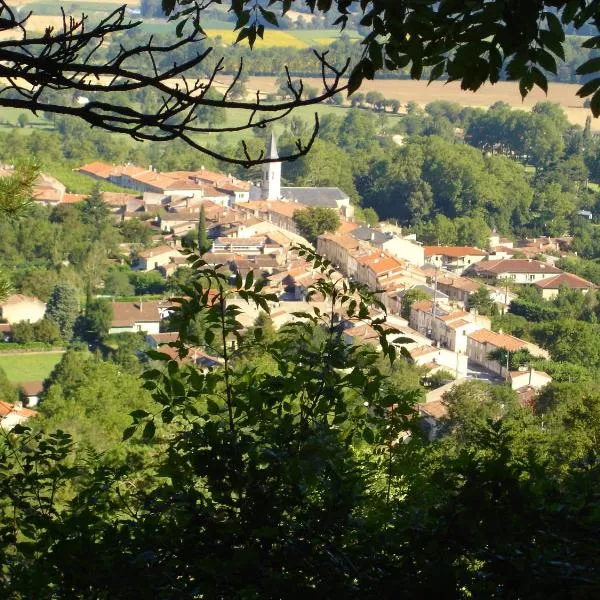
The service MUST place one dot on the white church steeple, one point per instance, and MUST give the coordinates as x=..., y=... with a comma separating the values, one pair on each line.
x=271, y=177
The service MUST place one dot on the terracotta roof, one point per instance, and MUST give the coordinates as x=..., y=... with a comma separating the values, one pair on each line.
x=437, y=409
x=32, y=388
x=72, y=198
x=499, y=340
x=460, y=283
x=118, y=198
x=347, y=227
x=422, y=305
x=422, y=351
x=342, y=240
x=287, y=209
x=565, y=280
x=458, y=324
x=157, y=251
x=97, y=168
x=515, y=265
x=157, y=180
x=381, y=262
x=19, y=299
x=453, y=251
x=126, y=314
x=6, y=408
x=457, y=314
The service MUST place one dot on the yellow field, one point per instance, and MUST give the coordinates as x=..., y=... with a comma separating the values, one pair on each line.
x=277, y=39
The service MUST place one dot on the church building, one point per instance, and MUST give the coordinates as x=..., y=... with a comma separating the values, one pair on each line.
x=271, y=188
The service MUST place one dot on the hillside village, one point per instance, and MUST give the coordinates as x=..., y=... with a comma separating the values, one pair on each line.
x=251, y=227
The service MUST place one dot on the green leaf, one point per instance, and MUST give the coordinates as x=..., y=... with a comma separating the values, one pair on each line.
x=590, y=66
x=129, y=432
x=368, y=435
x=149, y=430
x=138, y=414
x=589, y=88
x=213, y=407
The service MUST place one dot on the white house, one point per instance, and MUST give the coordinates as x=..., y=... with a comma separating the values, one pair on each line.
x=132, y=317
x=18, y=308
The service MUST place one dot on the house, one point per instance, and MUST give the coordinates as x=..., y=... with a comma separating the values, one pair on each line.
x=550, y=287
x=528, y=378
x=375, y=268
x=246, y=246
x=457, y=289
x=157, y=257
x=22, y=308
x=271, y=188
x=483, y=341
x=337, y=248
x=31, y=390
x=15, y=414
x=402, y=248
x=518, y=270
x=132, y=317
x=453, y=258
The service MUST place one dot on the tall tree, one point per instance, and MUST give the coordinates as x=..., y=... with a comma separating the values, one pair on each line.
x=313, y=221
x=203, y=243
x=62, y=308
x=94, y=211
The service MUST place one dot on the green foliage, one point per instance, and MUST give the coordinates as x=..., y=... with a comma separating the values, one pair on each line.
x=409, y=298
x=314, y=221
x=289, y=471
x=533, y=310
x=45, y=331
x=98, y=317
x=62, y=309
x=482, y=302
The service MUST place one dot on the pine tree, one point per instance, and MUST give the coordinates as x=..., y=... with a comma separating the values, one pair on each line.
x=94, y=211
x=62, y=309
x=203, y=243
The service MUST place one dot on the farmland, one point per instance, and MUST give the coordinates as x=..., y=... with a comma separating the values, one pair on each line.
x=32, y=366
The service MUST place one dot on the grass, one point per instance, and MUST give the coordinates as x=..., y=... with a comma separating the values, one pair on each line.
x=28, y=367
x=77, y=183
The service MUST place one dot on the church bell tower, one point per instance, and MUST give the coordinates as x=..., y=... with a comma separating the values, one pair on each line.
x=271, y=176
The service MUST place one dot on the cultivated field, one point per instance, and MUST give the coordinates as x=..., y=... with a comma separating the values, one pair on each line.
x=31, y=366
x=406, y=90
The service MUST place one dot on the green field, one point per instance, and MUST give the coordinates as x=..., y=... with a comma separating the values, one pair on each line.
x=29, y=367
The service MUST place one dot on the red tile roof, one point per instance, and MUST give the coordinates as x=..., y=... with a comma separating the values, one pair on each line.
x=453, y=251
x=6, y=408
x=515, y=265
x=499, y=340
x=565, y=280
x=127, y=314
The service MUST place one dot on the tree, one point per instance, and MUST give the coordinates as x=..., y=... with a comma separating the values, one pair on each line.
x=314, y=221
x=94, y=211
x=481, y=302
x=98, y=318
x=117, y=283
x=62, y=309
x=203, y=243
x=84, y=60
x=409, y=298
x=23, y=120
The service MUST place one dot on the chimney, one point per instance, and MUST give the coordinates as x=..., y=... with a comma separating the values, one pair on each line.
x=500, y=331
x=372, y=235
x=150, y=168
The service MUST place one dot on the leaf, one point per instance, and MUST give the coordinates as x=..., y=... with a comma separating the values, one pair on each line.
x=436, y=72
x=268, y=16
x=590, y=66
x=589, y=88
x=595, y=104
x=149, y=430
x=249, y=280
x=129, y=432
x=213, y=407
x=368, y=435
x=138, y=414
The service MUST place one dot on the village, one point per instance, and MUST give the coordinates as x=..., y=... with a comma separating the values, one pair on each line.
x=252, y=228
